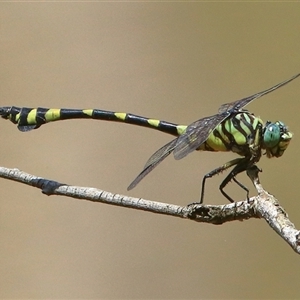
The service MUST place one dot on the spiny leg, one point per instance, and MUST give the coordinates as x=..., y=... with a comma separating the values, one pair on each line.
x=216, y=171
x=242, y=166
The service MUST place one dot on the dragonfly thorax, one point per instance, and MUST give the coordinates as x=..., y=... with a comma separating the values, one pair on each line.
x=276, y=138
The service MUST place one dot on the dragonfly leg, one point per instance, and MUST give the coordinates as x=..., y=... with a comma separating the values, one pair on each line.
x=242, y=186
x=239, y=168
x=216, y=171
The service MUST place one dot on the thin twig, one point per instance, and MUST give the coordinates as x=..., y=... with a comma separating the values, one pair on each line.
x=262, y=206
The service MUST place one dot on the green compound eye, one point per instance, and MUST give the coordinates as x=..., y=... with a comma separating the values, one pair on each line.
x=272, y=135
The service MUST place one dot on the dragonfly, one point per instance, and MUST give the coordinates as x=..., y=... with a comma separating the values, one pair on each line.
x=232, y=129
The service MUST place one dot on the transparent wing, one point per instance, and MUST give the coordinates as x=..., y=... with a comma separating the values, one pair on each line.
x=153, y=161
x=196, y=134
x=238, y=104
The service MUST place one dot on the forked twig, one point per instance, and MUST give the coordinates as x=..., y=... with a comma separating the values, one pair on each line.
x=262, y=206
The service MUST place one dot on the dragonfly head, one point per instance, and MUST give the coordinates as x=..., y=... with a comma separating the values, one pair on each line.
x=276, y=138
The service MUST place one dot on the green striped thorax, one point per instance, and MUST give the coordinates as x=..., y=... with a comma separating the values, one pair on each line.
x=276, y=138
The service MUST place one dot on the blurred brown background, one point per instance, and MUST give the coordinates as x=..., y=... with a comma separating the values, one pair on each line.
x=173, y=61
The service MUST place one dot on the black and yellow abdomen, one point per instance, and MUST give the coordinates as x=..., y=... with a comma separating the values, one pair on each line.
x=32, y=118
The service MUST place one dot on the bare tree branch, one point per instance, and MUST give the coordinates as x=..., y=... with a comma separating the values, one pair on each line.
x=262, y=206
